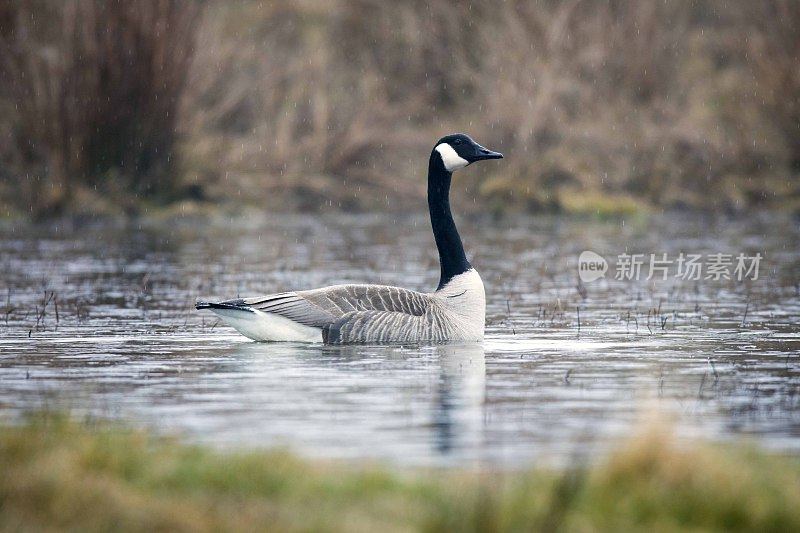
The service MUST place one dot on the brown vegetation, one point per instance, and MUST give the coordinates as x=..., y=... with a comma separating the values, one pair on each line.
x=599, y=104
x=93, y=89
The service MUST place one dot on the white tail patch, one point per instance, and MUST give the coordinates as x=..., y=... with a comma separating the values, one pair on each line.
x=260, y=326
x=452, y=161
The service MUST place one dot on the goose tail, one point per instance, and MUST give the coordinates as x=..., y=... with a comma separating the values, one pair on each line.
x=231, y=305
x=258, y=325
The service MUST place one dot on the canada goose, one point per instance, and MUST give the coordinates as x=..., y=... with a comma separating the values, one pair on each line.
x=345, y=314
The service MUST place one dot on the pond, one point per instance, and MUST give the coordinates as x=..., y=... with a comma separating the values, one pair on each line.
x=98, y=319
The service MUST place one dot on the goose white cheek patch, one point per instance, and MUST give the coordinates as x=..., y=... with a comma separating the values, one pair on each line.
x=452, y=161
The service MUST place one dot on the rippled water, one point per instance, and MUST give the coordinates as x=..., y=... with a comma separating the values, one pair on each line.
x=723, y=356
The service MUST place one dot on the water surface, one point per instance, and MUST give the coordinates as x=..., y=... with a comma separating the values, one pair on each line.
x=721, y=355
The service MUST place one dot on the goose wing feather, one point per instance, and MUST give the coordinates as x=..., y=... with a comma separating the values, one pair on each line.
x=341, y=299
x=375, y=327
x=324, y=307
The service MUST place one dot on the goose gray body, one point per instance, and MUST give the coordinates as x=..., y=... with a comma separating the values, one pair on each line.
x=346, y=314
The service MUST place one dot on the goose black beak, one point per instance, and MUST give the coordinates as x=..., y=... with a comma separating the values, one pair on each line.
x=484, y=153
x=488, y=154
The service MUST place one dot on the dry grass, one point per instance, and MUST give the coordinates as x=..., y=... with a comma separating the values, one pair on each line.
x=95, y=88
x=589, y=99
x=774, y=52
x=308, y=104
x=62, y=475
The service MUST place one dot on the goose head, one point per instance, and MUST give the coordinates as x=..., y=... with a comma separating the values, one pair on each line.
x=459, y=150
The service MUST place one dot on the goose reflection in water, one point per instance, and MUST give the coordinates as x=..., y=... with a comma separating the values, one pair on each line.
x=460, y=396
x=353, y=401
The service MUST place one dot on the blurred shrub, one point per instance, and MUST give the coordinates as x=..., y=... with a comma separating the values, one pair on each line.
x=95, y=88
x=305, y=104
x=774, y=51
x=340, y=101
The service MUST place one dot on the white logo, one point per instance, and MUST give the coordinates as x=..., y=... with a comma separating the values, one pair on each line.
x=591, y=266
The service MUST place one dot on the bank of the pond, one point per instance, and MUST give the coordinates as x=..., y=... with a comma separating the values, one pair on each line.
x=59, y=474
x=108, y=208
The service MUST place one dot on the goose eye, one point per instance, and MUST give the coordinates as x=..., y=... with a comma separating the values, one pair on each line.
x=457, y=141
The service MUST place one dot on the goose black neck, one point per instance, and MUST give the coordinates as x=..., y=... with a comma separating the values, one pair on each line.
x=452, y=258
